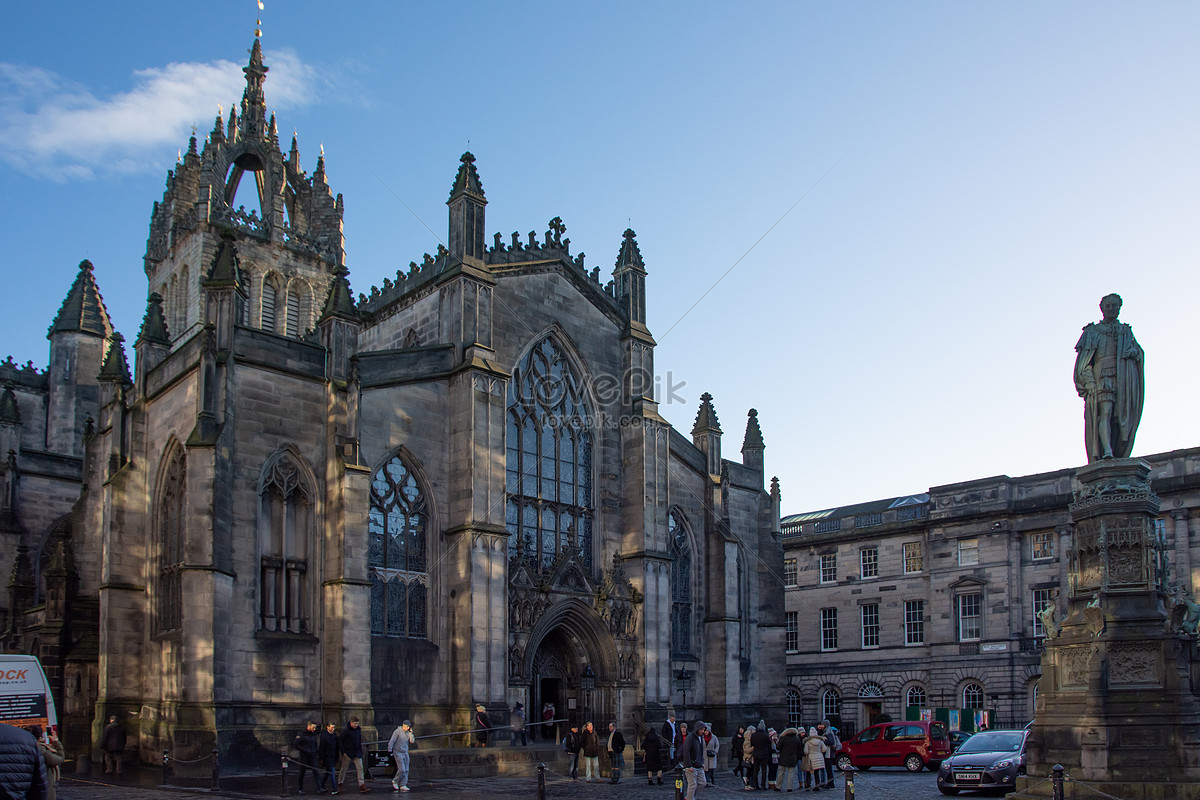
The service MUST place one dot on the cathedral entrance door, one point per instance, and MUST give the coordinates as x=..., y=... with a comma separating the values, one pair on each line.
x=550, y=671
x=549, y=690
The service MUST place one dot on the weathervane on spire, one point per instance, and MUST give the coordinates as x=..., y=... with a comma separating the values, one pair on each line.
x=258, y=22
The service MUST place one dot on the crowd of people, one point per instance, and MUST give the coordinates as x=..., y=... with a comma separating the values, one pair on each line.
x=763, y=759
x=767, y=760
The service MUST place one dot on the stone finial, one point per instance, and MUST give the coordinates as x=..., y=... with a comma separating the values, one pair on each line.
x=706, y=417
x=630, y=256
x=776, y=495
x=753, y=439
x=466, y=181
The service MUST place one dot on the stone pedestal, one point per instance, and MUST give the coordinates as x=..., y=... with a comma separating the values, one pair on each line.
x=1117, y=703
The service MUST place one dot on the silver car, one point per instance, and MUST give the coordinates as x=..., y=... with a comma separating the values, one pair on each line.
x=988, y=760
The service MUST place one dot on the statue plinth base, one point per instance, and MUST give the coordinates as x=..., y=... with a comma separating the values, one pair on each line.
x=1116, y=701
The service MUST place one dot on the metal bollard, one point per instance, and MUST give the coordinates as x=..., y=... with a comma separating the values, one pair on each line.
x=679, y=782
x=848, y=775
x=283, y=759
x=216, y=772
x=166, y=768
x=541, y=795
x=1056, y=779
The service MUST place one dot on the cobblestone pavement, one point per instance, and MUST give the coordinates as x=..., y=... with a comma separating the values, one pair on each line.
x=878, y=784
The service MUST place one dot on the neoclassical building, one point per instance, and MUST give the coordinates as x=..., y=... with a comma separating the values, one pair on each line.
x=932, y=600
x=454, y=489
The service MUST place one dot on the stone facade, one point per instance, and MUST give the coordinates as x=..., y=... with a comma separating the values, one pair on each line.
x=946, y=608
x=455, y=490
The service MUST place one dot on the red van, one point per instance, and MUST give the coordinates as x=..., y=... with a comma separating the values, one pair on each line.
x=911, y=745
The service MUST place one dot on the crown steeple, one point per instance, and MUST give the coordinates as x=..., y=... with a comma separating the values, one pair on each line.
x=254, y=101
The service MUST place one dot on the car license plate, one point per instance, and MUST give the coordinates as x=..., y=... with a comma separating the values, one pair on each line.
x=968, y=776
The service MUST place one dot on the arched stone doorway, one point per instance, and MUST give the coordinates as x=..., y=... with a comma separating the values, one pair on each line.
x=569, y=638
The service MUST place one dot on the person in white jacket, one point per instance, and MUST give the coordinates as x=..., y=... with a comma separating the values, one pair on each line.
x=402, y=737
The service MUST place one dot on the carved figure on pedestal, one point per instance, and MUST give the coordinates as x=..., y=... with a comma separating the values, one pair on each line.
x=1185, y=613
x=1049, y=625
x=1109, y=377
x=1094, y=618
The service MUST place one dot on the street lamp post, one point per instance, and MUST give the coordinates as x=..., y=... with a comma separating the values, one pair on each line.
x=684, y=679
x=587, y=681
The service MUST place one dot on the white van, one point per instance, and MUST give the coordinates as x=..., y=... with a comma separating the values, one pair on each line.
x=25, y=697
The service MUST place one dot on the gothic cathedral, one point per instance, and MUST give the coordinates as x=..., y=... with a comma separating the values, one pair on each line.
x=454, y=489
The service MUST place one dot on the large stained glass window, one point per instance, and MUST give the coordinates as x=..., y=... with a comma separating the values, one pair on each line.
x=396, y=553
x=548, y=478
x=681, y=586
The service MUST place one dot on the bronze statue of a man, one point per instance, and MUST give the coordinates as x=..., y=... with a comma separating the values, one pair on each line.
x=1108, y=376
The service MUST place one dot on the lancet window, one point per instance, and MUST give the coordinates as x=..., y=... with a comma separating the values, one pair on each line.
x=397, y=552
x=285, y=539
x=681, y=585
x=549, y=460
x=172, y=506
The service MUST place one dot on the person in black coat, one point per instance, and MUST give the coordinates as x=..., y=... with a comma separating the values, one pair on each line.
x=306, y=745
x=329, y=751
x=668, y=733
x=760, y=745
x=657, y=756
x=22, y=771
x=352, y=753
x=616, y=752
x=573, y=743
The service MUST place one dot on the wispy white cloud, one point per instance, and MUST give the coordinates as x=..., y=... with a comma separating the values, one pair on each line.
x=58, y=129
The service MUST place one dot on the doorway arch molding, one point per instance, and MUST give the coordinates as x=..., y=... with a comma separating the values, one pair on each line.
x=580, y=620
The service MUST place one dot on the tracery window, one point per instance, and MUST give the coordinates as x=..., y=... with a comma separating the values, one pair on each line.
x=915, y=696
x=972, y=696
x=681, y=586
x=396, y=552
x=548, y=475
x=285, y=533
x=172, y=506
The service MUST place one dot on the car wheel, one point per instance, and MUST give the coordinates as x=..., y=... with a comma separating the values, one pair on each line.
x=913, y=763
x=843, y=762
x=947, y=790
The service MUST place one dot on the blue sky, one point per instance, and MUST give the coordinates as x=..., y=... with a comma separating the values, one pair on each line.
x=880, y=224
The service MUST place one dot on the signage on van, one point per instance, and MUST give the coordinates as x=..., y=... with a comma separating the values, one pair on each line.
x=25, y=697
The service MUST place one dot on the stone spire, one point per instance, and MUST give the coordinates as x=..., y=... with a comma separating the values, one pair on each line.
x=254, y=101
x=340, y=302
x=752, y=444
x=154, y=324
x=83, y=309
x=629, y=279
x=467, y=213
x=706, y=434
x=115, y=368
x=706, y=417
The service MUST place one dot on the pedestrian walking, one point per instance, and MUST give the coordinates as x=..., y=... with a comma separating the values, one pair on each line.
x=352, y=753
x=305, y=745
x=691, y=756
x=656, y=754
x=516, y=723
x=112, y=744
x=398, y=745
x=329, y=752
